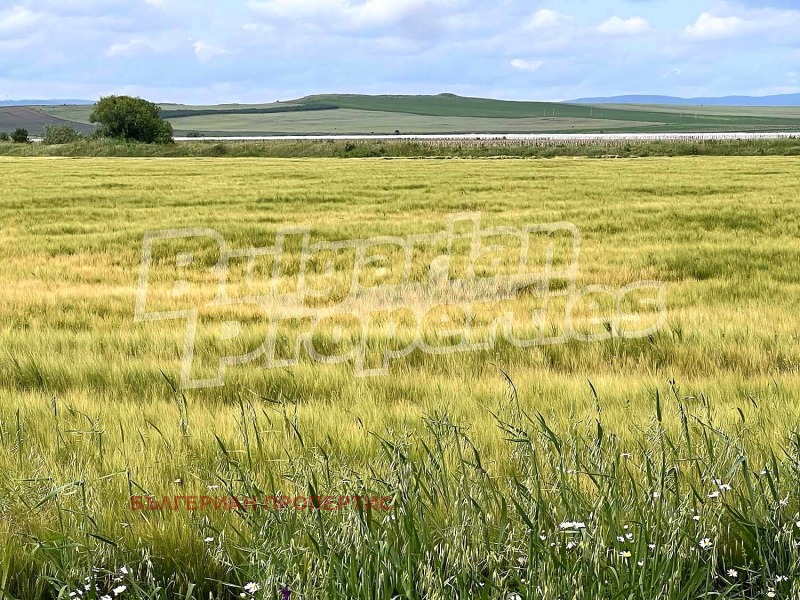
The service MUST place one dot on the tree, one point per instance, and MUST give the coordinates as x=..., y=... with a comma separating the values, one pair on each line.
x=131, y=118
x=20, y=136
x=60, y=134
x=4, y=137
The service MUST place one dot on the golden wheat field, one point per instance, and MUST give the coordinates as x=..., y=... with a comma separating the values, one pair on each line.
x=627, y=466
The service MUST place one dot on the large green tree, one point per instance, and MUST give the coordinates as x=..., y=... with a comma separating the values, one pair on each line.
x=131, y=118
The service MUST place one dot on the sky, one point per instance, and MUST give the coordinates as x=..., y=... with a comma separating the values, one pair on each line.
x=215, y=51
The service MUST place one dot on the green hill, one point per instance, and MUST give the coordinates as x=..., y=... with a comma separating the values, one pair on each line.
x=452, y=105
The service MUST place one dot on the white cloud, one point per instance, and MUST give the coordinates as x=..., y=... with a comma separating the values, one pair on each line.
x=548, y=18
x=205, y=51
x=260, y=28
x=372, y=13
x=771, y=23
x=16, y=21
x=130, y=48
x=710, y=27
x=619, y=26
x=527, y=65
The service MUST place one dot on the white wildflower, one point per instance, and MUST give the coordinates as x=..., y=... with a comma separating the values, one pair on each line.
x=733, y=573
x=252, y=587
x=706, y=543
x=119, y=589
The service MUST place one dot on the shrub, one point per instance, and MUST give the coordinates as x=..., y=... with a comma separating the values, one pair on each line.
x=20, y=136
x=4, y=137
x=217, y=150
x=60, y=134
x=131, y=118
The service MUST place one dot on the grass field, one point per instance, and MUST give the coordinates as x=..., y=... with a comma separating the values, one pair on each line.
x=366, y=121
x=662, y=467
x=789, y=112
x=446, y=113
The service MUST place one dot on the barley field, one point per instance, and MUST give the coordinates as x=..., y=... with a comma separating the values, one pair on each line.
x=663, y=466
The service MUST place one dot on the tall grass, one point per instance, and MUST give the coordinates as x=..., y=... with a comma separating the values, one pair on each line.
x=680, y=508
x=409, y=149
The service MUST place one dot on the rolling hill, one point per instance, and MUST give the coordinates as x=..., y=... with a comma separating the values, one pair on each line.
x=13, y=117
x=443, y=113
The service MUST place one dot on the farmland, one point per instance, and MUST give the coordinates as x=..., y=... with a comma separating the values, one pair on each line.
x=444, y=113
x=12, y=117
x=643, y=468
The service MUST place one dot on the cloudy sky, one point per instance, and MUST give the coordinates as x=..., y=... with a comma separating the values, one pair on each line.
x=208, y=51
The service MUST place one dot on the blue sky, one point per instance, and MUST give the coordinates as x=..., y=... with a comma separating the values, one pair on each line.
x=206, y=51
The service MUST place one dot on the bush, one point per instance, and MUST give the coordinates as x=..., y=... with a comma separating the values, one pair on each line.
x=129, y=118
x=4, y=137
x=60, y=134
x=20, y=136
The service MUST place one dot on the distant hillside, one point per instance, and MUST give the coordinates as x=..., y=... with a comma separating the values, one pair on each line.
x=442, y=114
x=13, y=117
x=43, y=102
x=779, y=100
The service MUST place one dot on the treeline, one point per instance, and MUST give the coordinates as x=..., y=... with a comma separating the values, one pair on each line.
x=105, y=147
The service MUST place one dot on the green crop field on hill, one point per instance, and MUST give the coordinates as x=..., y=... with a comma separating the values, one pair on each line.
x=665, y=465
